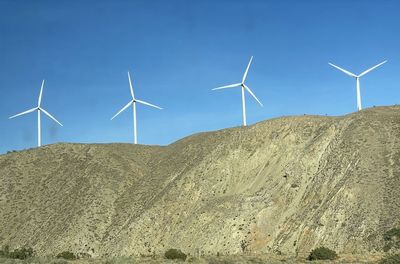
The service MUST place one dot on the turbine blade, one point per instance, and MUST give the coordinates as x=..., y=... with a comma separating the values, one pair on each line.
x=370, y=69
x=52, y=117
x=23, y=113
x=248, y=89
x=130, y=85
x=343, y=70
x=126, y=106
x=247, y=70
x=40, y=95
x=146, y=103
x=227, y=86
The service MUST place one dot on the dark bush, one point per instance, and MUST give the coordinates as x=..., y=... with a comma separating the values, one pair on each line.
x=21, y=253
x=4, y=251
x=244, y=244
x=391, y=259
x=322, y=253
x=387, y=247
x=393, y=233
x=66, y=255
x=175, y=254
x=392, y=239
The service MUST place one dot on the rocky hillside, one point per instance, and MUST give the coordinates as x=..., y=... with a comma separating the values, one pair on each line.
x=283, y=185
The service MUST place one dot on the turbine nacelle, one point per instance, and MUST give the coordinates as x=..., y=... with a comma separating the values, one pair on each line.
x=357, y=77
x=39, y=109
x=244, y=88
x=354, y=75
x=133, y=103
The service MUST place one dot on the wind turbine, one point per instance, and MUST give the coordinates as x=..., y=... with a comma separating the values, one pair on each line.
x=244, y=87
x=357, y=79
x=39, y=109
x=133, y=103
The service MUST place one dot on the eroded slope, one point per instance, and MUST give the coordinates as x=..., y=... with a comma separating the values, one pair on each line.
x=287, y=185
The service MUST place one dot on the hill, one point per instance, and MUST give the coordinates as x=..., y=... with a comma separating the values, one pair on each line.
x=284, y=185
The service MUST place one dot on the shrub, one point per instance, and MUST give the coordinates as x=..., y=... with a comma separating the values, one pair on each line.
x=4, y=251
x=66, y=255
x=387, y=247
x=243, y=244
x=21, y=253
x=392, y=233
x=391, y=259
x=175, y=254
x=322, y=253
x=392, y=239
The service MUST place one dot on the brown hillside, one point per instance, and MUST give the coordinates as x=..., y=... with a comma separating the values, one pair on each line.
x=283, y=185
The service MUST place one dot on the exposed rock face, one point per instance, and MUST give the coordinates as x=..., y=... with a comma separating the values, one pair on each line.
x=288, y=184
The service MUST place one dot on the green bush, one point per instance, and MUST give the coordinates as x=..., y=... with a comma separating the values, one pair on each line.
x=21, y=253
x=4, y=251
x=392, y=239
x=393, y=233
x=322, y=253
x=66, y=255
x=391, y=259
x=175, y=254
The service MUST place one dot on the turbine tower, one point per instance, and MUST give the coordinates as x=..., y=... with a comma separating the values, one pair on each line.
x=133, y=103
x=357, y=79
x=39, y=109
x=243, y=87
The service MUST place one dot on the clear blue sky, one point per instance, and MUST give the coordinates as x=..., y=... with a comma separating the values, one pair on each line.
x=177, y=52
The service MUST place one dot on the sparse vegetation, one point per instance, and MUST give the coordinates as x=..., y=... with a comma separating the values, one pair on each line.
x=66, y=255
x=391, y=259
x=175, y=254
x=322, y=253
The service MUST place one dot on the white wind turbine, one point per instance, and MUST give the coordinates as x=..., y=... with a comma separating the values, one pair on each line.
x=133, y=103
x=244, y=87
x=39, y=109
x=358, y=79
